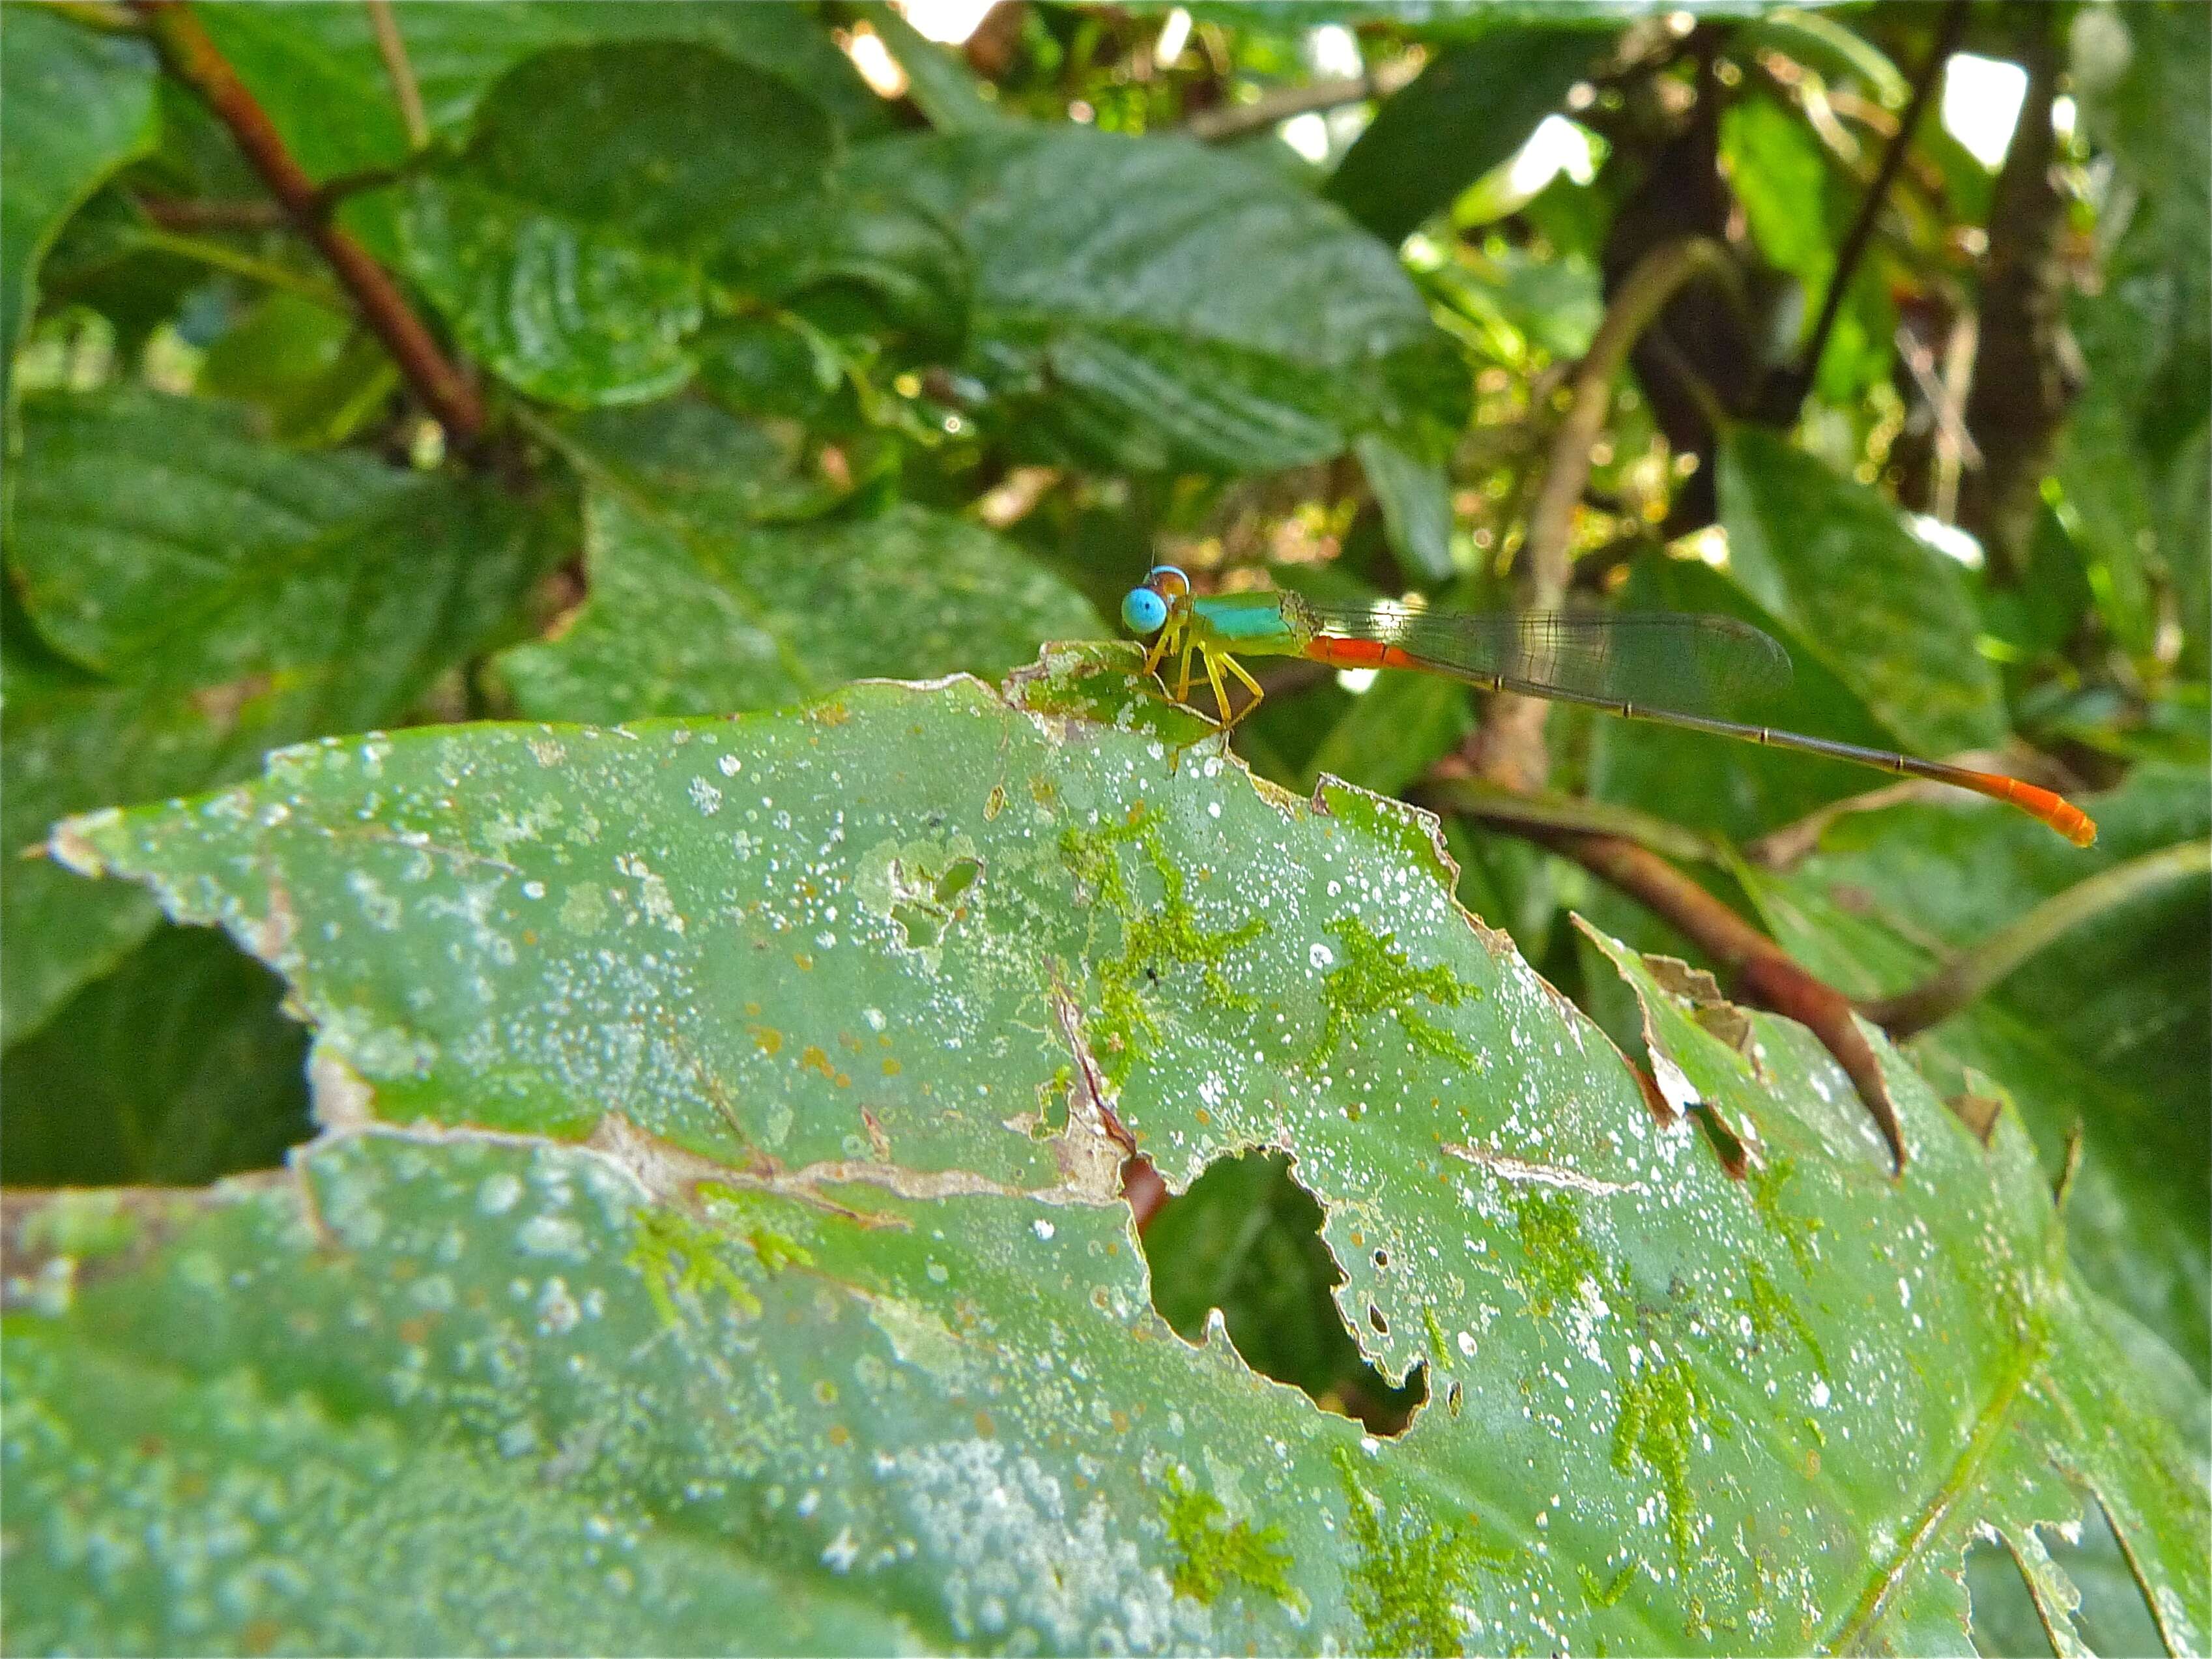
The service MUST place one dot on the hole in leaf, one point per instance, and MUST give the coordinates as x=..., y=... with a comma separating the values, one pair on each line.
x=1246, y=1238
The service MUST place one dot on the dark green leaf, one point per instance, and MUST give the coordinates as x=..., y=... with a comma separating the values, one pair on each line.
x=237, y=596
x=1886, y=613
x=1797, y=214
x=1738, y=789
x=1147, y=304
x=80, y=104
x=175, y=1069
x=553, y=266
x=1415, y=497
x=318, y=73
x=1470, y=108
x=316, y=376
x=693, y=609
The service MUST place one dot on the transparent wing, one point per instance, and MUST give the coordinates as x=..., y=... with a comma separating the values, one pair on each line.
x=1711, y=667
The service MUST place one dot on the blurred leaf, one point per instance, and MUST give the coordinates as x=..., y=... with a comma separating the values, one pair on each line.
x=1838, y=54
x=317, y=71
x=2040, y=612
x=621, y=1200
x=1392, y=732
x=1798, y=216
x=174, y=1069
x=769, y=365
x=694, y=611
x=237, y=596
x=553, y=266
x=1416, y=498
x=1470, y=108
x=2133, y=490
x=318, y=376
x=1146, y=304
x=80, y=103
x=2131, y=458
x=1886, y=613
x=2143, y=75
x=1555, y=304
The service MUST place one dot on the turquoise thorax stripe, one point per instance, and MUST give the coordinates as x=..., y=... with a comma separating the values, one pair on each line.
x=1247, y=619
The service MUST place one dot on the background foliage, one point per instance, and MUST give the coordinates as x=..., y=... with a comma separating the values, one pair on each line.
x=783, y=348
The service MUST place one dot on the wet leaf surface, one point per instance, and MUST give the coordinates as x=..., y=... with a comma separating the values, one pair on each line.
x=722, y=1128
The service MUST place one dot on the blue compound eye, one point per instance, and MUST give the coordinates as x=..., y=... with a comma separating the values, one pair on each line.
x=1144, y=611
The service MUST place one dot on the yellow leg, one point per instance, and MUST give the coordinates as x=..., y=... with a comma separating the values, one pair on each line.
x=1182, y=678
x=1220, y=694
x=1160, y=646
x=1250, y=684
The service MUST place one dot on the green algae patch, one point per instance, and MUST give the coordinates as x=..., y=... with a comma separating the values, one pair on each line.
x=1560, y=1258
x=1214, y=1549
x=1772, y=1312
x=681, y=1264
x=1768, y=1183
x=1375, y=977
x=1413, y=1576
x=1156, y=938
x=1660, y=1413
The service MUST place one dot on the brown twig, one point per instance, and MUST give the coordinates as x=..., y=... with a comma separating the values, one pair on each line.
x=1765, y=974
x=1969, y=973
x=1217, y=126
x=1949, y=34
x=193, y=57
x=1476, y=797
x=392, y=48
x=1509, y=748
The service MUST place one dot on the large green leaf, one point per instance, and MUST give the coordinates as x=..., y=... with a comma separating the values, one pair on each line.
x=720, y=1172
x=1146, y=303
x=1878, y=607
x=552, y=264
x=80, y=104
x=218, y=595
x=1467, y=111
x=317, y=72
x=694, y=610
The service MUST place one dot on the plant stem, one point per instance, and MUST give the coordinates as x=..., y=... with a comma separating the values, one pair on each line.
x=193, y=57
x=1217, y=126
x=1509, y=748
x=1973, y=972
x=1478, y=798
x=392, y=48
x=221, y=257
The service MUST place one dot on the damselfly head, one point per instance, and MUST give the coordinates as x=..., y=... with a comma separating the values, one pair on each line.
x=1147, y=608
x=1144, y=611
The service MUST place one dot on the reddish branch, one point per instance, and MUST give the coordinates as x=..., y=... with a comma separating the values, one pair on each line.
x=1763, y=973
x=192, y=56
